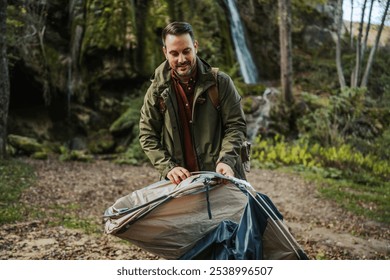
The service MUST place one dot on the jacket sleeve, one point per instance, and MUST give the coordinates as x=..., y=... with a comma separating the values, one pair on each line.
x=233, y=120
x=150, y=135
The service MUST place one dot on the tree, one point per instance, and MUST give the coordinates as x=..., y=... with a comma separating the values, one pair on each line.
x=351, y=26
x=339, y=17
x=374, y=48
x=4, y=79
x=285, y=49
x=356, y=72
x=356, y=79
x=367, y=28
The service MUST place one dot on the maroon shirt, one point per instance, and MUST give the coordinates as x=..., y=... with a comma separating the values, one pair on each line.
x=185, y=100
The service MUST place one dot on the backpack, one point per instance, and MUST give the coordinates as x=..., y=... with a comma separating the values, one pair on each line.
x=213, y=90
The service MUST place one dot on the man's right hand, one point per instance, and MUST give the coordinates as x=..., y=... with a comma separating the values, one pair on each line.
x=178, y=174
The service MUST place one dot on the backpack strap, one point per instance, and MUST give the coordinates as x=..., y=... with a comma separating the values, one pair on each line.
x=213, y=90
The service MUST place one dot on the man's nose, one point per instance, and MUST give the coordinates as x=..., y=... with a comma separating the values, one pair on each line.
x=181, y=58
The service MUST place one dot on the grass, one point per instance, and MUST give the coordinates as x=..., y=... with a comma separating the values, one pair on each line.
x=66, y=216
x=15, y=176
x=364, y=199
x=368, y=197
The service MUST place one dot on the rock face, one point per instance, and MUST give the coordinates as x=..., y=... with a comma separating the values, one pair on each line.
x=81, y=63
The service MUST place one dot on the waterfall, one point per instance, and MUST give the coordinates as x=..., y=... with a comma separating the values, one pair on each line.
x=258, y=120
x=247, y=66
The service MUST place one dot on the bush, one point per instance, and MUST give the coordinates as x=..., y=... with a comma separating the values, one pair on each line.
x=277, y=152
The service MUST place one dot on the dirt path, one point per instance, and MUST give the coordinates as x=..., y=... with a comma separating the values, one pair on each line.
x=323, y=229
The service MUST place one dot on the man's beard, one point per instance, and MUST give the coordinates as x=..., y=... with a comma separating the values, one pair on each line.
x=187, y=73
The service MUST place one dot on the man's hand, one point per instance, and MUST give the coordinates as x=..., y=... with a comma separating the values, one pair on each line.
x=178, y=174
x=224, y=169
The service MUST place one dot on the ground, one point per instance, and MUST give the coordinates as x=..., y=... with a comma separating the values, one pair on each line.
x=322, y=228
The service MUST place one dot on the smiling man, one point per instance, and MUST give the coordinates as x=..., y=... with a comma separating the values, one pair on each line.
x=183, y=128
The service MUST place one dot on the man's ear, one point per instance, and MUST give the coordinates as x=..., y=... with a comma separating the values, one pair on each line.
x=196, y=44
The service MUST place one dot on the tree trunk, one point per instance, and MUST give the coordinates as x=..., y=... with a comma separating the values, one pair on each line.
x=351, y=26
x=374, y=48
x=4, y=79
x=356, y=75
x=367, y=29
x=285, y=49
x=339, y=17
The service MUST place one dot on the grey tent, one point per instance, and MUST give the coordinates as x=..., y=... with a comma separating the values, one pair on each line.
x=207, y=216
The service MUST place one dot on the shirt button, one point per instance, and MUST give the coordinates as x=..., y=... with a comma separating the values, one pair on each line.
x=187, y=104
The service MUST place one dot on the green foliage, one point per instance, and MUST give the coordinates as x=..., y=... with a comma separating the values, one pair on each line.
x=109, y=24
x=277, y=152
x=358, y=182
x=380, y=146
x=343, y=136
x=304, y=12
x=367, y=200
x=331, y=119
x=300, y=152
x=133, y=154
x=250, y=89
x=15, y=24
x=15, y=176
x=66, y=215
x=101, y=142
x=379, y=80
x=149, y=37
x=74, y=155
x=128, y=124
x=129, y=118
x=26, y=144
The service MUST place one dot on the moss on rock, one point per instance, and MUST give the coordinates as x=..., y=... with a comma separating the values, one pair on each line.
x=126, y=122
x=25, y=145
x=101, y=142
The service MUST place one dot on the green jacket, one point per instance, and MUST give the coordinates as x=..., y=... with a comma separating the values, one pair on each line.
x=217, y=134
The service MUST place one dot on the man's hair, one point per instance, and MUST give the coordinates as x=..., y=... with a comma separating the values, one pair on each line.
x=177, y=28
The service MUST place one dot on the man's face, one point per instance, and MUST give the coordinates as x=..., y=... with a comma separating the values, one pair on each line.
x=180, y=51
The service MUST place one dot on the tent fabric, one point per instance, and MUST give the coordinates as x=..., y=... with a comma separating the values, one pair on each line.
x=207, y=216
x=255, y=237
x=167, y=219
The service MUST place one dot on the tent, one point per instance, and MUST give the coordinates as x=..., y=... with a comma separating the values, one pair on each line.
x=206, y=216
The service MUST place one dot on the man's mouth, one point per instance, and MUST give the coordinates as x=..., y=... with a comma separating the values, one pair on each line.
x=183, y=66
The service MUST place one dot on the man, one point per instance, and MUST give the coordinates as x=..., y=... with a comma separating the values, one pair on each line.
x=181, y=129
